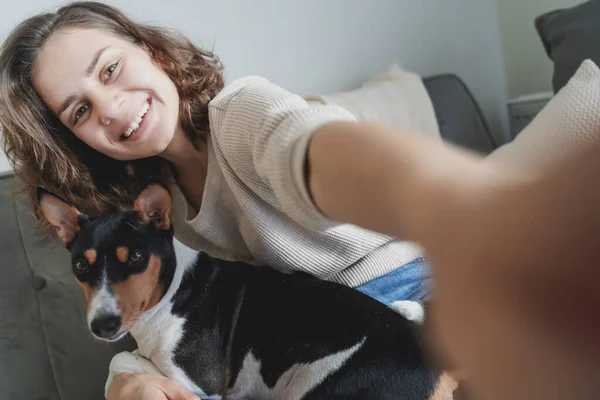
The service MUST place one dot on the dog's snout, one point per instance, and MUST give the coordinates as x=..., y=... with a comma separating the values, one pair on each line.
x=106, y=326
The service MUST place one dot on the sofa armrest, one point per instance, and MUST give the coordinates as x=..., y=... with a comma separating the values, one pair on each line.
x=46, y=349
x=459, y=117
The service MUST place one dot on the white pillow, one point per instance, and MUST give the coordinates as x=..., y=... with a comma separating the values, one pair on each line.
x=569, y=123
x=397, y=98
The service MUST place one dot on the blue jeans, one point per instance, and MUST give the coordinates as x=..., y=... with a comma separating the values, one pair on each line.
x=411, y=281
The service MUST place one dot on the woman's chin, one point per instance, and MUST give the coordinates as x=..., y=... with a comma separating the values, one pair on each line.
x=142, y=151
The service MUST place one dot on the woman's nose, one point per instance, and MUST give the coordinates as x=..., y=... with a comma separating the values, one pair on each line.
x=107, y=106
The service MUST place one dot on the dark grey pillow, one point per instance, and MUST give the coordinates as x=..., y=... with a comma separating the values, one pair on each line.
x=570, y=36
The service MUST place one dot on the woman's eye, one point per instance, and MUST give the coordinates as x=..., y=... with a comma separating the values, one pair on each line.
x=80, y=112
x=80, y=266
x=109, y=71
x=136, y=256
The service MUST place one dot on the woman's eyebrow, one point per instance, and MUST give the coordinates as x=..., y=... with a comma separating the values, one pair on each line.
x=88, y=72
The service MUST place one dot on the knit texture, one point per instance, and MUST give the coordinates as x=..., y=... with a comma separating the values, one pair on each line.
x=256, y=207
x=568, y=124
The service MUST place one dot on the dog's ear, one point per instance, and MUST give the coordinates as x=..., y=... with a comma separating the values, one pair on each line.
x=154, y=205
x=60, y=214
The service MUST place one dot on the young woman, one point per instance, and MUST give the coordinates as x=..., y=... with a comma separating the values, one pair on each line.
x=92, y=104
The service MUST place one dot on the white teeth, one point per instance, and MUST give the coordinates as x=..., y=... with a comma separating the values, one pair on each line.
x=136, y=123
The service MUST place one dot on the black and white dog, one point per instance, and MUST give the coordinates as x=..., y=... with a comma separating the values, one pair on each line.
x=232, y=330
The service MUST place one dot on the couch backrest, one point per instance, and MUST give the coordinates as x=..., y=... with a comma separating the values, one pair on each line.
x=459, y=117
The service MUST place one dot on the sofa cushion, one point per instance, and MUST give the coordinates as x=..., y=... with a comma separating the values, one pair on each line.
x=439, y=106
x=46, y=349
x=396, y=98
x=567, y=125
x=25, y=365
x=570, y=36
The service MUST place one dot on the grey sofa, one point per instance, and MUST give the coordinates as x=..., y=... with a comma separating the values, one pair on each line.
x=46, y=351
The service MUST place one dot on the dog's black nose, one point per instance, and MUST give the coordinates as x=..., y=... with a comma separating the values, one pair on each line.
x=106, y=326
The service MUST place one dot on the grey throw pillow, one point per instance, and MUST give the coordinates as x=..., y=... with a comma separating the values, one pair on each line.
x=570, y=36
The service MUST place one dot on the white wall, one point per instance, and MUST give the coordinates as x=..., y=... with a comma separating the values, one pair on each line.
x=4, y=166
x=528, y=68
x=316, y=46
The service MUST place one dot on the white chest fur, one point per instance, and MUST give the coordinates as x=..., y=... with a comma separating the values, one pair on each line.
x=158, y=331
x=157, y=340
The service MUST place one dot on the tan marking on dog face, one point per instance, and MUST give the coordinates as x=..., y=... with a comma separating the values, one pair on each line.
x=91, y=256
x=88, y=291
x=140, y=292
x=122, y=253
x=445, y=388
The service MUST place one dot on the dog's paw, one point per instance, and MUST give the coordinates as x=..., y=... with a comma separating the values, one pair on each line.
x=131, y=363
x=411, y=310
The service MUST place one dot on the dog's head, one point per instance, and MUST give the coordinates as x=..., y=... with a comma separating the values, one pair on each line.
x=124, y=262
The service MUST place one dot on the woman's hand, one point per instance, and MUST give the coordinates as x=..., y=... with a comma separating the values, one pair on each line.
x=514, y=253
x=517, y=282
x=128, y=386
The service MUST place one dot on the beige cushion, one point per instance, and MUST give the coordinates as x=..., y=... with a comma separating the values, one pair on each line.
x=569, y=123
x=397, y=98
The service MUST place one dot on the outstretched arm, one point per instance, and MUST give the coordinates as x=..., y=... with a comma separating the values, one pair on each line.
x=514, y=255
x=391, y=181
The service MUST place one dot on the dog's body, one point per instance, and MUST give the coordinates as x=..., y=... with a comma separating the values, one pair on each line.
x=237, y=331
x=266, y=335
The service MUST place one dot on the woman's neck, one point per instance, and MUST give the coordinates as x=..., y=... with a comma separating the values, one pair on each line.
x=191, y=163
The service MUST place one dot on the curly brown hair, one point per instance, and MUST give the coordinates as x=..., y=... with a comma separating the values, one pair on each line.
x=42, y=151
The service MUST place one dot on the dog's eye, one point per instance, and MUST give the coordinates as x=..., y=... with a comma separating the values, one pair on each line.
x=80, y=266
x=136, y=256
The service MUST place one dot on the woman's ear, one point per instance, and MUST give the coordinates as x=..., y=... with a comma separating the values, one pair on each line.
x=60, y=214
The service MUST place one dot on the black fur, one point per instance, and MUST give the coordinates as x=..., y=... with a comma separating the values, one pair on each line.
x=232, y=308
x=105, y=234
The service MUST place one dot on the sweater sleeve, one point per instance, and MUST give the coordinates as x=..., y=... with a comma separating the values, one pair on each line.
x=263, y=131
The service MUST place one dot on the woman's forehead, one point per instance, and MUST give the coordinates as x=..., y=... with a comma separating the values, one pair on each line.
x=65, y=60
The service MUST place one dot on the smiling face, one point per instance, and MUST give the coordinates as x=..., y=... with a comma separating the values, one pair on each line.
x=108, y=92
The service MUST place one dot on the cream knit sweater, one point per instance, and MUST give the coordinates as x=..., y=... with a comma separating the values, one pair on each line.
x=256, y=207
